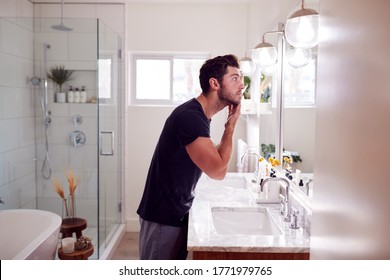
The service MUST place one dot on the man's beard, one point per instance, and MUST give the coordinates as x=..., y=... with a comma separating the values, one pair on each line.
x=228, y=98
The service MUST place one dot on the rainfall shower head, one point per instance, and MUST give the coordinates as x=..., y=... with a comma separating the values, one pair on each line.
x=35, y=81
x=61, y=27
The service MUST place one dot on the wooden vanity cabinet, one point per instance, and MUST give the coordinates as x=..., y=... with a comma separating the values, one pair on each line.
x=205, y=255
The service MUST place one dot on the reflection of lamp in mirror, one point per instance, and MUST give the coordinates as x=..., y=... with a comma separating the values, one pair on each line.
x=302, y=28
x=247, y=66
x=269, y=70
x=298, y=57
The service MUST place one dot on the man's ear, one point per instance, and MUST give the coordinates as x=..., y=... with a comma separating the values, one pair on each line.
x=214, y=84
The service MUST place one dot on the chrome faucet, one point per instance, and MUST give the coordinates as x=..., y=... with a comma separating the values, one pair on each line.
x=249, y=152
x=286, y=204
x=308, y=185
x=1, y=200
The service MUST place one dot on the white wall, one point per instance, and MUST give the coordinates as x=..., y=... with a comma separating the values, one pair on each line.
x=217, y=29
x=352, y=194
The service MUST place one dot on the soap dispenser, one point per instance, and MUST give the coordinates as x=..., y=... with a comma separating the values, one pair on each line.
x=77, y=96
x=83, y=95
x=70, y=95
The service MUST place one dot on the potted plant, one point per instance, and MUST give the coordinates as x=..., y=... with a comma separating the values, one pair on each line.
x=59, y=75
x=265, y=89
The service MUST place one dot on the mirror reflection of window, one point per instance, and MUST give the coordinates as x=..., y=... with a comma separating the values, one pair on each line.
x=300, y=83
x=105, y=74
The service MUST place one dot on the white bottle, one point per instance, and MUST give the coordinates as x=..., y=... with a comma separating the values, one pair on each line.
x=77, y=96
x=70, y=95
x=83, y=95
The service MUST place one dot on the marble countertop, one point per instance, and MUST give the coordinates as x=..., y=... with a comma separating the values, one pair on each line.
x=203, y=237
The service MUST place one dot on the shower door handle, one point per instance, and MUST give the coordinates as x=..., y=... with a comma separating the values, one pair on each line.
x=106, y=150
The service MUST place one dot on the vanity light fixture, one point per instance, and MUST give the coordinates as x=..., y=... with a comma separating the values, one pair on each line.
x=265, y=54
x=247, y=66
x=301, y=28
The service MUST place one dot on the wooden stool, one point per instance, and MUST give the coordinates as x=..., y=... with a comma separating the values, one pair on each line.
x=68, y=227
x=71, y=225
x=76, y=255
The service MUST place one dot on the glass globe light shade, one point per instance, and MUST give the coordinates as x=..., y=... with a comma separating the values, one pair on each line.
x=264, y=54
x=301, y=29
x=269, y=70
x=298, y=57
x=247, y=66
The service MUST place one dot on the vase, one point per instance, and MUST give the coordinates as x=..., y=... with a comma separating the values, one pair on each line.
x=65, y=212
x=61, y=97
x=72, y=211
x=265, y=108
x=246, y=105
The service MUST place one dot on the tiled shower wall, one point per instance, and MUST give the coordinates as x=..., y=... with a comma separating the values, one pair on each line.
x=17, y=140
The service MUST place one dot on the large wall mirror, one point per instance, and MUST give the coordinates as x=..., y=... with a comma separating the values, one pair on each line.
x=296, y=129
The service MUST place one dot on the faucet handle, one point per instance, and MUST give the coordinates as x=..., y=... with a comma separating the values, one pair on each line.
x=294, y=221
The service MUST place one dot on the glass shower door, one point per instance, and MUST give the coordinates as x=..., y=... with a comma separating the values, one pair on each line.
x=109, y=159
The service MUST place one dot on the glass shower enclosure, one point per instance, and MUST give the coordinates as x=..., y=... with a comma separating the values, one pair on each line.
x=79, y=138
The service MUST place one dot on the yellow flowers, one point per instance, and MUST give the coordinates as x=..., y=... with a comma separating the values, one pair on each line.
x=287, y=159
x=261, y=159
x=72, y=188
x=273, y=161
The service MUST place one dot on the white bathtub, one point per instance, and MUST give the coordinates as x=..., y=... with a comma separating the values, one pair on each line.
x=28, y=234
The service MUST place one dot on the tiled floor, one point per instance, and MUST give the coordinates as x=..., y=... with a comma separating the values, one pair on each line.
x=127, y=248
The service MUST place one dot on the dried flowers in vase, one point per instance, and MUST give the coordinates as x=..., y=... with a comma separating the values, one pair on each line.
x=69, y=209
x=72, y=188
x=60, y=192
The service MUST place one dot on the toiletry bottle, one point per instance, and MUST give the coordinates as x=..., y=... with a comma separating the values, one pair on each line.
x=70, y=95
x=83, y=95
x=77, y=96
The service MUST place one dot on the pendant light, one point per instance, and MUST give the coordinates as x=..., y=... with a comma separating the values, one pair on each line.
x=301, y=28
x=264, y=54
x=247, y=66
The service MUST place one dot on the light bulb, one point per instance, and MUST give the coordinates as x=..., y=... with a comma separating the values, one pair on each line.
x=247, y=66
x=302, y=29
x=264, y=54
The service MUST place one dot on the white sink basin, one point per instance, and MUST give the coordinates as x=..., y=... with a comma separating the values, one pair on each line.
x=244, y=221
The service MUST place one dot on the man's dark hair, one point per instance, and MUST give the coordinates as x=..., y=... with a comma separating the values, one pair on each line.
x=216, y=68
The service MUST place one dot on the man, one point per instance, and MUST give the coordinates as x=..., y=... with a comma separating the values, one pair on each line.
x=183, y=152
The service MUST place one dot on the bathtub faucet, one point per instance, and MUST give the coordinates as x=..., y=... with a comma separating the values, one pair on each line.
x=1, y=200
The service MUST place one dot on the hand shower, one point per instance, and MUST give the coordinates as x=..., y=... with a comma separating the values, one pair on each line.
x=46, y=169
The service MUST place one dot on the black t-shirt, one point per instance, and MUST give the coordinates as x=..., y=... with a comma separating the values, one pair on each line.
x=172, y=175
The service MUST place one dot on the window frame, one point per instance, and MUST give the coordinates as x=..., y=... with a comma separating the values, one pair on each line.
x=170, y=56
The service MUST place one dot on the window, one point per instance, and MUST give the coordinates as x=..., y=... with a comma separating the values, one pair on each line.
x=165, y=79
